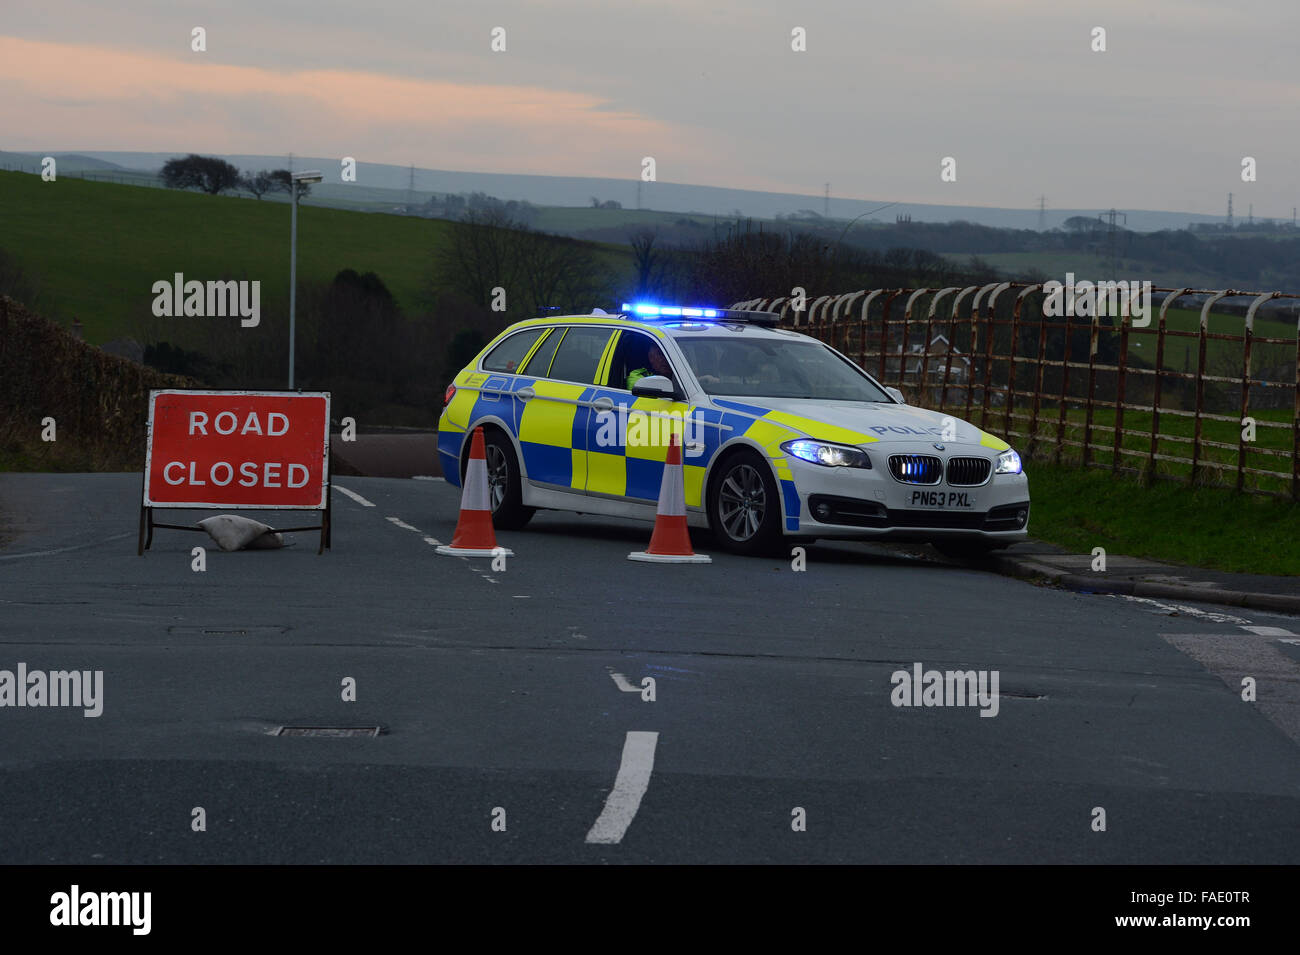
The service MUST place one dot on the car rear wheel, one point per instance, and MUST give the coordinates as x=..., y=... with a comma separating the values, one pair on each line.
x=744, y=509
x=505, y=487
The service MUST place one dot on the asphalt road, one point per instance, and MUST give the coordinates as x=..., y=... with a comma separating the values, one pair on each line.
x=509, y=689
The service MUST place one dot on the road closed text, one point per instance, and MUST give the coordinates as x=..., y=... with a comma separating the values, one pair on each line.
x=251, y=474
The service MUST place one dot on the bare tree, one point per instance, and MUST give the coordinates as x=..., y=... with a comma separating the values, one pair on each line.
x=260, y=183
x=483, y=254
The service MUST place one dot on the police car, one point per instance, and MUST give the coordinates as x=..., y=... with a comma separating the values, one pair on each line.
x=783, y=437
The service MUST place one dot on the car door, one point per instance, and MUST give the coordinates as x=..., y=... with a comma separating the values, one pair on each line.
x=556, y=407
x=628, y=436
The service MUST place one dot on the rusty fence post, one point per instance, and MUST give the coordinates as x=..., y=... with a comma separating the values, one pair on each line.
x=1200, y=381
x=1245, y=381
x=990, y=333
x=1295, y=425
x=1011, y=387
x=929, y=335
x=884, y=328
x=952, y=344
x=907, y=327
x=1150, y=474
x=1094, y=332
x=862, y=327
x=1121, y=381
x=974, y=347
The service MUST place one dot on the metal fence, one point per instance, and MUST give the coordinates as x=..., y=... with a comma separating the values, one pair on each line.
x=1162, y=395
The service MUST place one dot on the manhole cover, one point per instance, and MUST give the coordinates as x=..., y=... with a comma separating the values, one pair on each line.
x=331, y=732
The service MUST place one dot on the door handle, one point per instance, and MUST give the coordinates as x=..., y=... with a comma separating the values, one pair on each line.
x=603, y=404
x=695, y=447
x=526, y=392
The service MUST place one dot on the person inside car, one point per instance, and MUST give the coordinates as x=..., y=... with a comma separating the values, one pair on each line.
x=656, y=364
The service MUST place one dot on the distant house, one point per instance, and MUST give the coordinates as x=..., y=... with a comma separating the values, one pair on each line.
x=938, y=362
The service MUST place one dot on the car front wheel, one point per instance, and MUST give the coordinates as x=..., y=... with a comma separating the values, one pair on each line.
x=505, y=488
x=744, y=509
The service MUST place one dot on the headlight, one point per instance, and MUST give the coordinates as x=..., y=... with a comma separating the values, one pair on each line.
x=1008, y=463
x=827, y=455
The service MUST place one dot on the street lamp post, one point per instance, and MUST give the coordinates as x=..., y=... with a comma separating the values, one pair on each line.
x=310, y=175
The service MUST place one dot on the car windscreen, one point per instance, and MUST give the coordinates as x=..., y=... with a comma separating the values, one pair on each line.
x=776, y=368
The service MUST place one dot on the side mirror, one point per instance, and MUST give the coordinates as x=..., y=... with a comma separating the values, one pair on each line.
x=655, y=386
x=896, y=395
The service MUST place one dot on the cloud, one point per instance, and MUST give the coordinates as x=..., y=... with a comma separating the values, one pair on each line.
x=83, y=96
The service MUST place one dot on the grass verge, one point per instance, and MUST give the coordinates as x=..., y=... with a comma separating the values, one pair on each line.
x=1202, y=526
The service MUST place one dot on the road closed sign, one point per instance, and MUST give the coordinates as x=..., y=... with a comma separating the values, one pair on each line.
x=237, y=449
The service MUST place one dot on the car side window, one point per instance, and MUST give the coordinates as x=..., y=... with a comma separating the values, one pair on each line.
x=507, y=356
x=579, y=354
x=631, y=352
x=539, y=366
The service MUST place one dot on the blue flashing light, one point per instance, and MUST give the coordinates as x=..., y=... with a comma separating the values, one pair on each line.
x=644, y=308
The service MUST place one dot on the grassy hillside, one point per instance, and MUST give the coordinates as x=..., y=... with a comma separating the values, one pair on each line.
x=1055, y=265
x=97, y=248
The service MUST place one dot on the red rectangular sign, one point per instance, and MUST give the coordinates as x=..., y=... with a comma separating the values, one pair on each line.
x=237, y=449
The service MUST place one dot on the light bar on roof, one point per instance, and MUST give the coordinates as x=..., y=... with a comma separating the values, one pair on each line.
x=644, y=308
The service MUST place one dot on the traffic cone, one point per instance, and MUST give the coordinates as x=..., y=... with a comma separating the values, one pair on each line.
x=474, y=535
x=670, y=543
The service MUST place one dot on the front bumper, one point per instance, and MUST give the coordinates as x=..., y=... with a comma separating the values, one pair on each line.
x=872, y=504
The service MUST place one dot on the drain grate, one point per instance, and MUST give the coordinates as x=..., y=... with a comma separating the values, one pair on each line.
x=329, y=732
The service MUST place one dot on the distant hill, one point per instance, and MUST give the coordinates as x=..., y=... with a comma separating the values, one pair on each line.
x=66, y=162
x=385, y=184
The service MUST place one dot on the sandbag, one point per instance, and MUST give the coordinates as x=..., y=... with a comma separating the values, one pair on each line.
x=232, y=532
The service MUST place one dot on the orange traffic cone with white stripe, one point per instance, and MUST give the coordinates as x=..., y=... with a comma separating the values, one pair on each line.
x=475, y=536
x=670, y=543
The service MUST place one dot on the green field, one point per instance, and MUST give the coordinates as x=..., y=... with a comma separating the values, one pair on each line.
x=1137, y=428
x=1055, y=265
x=1203, y=527
x=97, y=248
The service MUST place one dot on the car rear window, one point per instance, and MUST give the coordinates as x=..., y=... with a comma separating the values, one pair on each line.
x=540, y=364
x=508, y=355
x=579, y=354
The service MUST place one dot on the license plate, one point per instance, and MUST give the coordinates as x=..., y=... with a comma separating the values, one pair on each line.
x=945, y=500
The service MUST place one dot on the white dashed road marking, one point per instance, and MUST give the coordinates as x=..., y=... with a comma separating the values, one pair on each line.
x=620, y=681
x=1185, y=610
x=629, y=786
x=434, y=542
x=355, y=496
x=1270, y=631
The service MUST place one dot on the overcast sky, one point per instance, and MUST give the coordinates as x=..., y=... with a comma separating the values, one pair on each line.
x=710, y=88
